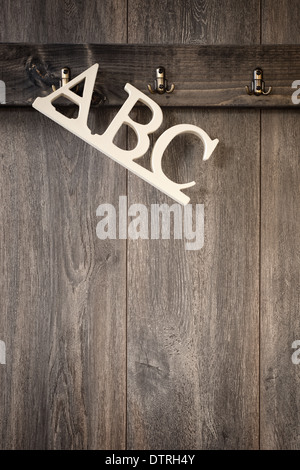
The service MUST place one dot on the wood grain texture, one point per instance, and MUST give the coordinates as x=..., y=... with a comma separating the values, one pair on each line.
x=63, y=291
x=194, y=21
x=193, y=315
x=63, y=21
x=203, y=75
x=280, y=378
x=193, y=331
x=193, y=328
x=280, y=22
x=280, y=280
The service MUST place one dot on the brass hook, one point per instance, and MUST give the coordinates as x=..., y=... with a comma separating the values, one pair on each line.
x=161, y=83
x=258, y=85
x=65, y=77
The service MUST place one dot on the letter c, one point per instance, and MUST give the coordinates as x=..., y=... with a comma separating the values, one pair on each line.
x=164, y=140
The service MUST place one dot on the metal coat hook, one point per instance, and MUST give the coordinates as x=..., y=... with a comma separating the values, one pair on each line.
x=98, y=97
x=258, y=85
x=161, y=83
x=65, y=77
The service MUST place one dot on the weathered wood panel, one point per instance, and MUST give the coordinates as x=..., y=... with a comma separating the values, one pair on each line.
x=280, y=181
x=280, y=280
x=193, y=315
x=63, y=291
x=194, y=22
x=203, y=75
x=63, y=21
x=280, y=22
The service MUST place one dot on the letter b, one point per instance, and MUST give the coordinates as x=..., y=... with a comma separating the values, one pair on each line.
x=141, y=130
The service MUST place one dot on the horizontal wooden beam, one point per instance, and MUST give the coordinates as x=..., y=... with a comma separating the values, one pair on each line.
x=207, y=76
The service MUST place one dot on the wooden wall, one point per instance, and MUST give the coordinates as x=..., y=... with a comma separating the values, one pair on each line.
x=142, y=344
x=280, y=244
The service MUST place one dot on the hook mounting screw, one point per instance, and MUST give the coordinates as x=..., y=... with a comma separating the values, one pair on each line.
x=160, y=82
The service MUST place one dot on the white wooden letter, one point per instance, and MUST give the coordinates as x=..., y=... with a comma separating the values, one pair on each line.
x=160, y=146
x=104, y=142
x=141, y=130
x=77, y=126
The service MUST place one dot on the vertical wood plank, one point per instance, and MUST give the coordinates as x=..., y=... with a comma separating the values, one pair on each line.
x=194, y=22
x=63, y=21
x=63, y=291
x=193, y=316
x=280, y=22
x=280, y=280
x=280, y=378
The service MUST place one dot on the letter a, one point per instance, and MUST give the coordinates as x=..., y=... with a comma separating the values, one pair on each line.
x=79, y=125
